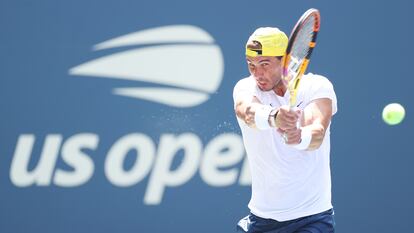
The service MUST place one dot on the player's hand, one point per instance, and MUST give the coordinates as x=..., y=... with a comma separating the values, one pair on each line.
x=287, y=119
x=291, y=136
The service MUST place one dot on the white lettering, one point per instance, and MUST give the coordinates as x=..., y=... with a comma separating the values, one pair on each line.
x=72, y=154
x=114, y=170
x=223, y=151
x=42, y=174
x=173, y=163
x=162, y=176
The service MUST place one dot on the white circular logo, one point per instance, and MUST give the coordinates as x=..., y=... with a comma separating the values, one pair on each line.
x=181, y=62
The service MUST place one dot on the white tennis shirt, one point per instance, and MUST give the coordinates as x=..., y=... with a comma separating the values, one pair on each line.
x=287, y=183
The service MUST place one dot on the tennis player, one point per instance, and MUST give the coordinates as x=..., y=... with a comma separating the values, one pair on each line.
x=288, y=149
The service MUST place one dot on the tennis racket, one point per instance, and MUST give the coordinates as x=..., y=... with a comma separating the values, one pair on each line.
x=302, y=40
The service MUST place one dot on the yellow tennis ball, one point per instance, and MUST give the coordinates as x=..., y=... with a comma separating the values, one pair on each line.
x=393, y=113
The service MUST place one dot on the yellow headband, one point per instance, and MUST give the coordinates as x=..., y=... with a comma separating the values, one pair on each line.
x=274, y=42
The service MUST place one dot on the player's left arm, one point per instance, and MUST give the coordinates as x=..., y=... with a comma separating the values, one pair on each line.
x=316, y=118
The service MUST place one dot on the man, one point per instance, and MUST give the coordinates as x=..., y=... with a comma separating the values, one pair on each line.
x=289, y=161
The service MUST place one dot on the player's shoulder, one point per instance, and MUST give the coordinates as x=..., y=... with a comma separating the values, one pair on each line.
x=311, y=77
x=316, y=80
x=247, y=82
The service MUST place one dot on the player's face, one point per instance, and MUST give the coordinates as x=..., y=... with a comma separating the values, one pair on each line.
x=267, y=71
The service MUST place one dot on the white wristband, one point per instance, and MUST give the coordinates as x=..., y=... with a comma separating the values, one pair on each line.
x=306, y=138
x=261, y=117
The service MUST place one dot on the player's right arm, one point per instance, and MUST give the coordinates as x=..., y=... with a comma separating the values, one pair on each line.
x=245, y=101
x=249, y=108
x=245, y=109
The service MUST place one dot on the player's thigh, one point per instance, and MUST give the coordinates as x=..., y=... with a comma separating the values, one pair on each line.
x=326, y=224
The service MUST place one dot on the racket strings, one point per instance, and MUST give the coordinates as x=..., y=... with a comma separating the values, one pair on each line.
x=301, y=46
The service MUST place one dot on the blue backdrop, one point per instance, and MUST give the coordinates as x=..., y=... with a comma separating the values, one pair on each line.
x=117, y=116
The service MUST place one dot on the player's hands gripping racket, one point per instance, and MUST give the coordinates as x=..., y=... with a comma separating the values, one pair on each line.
x=302, y=40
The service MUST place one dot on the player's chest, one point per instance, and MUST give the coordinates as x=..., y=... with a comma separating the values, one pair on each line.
x=276, y=101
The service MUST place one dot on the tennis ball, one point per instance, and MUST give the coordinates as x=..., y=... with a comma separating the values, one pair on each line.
x=393, y=113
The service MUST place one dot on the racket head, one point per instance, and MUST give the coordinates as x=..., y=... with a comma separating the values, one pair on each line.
x=301, y=43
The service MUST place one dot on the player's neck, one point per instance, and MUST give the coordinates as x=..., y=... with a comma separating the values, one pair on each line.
x=280, y=88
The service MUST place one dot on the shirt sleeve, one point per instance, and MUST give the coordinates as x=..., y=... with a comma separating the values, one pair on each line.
x=323, y=88
x=244, y=89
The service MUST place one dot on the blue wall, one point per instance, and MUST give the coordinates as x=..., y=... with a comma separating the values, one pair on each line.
x=102, y=160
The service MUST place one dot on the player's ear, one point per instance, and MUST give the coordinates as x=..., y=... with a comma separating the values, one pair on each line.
x=281, y=59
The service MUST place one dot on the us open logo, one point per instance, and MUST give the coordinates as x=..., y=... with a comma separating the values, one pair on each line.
x=179, y=66
x=181, y=62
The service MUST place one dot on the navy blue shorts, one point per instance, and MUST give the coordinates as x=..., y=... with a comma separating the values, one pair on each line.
x=319, y=223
